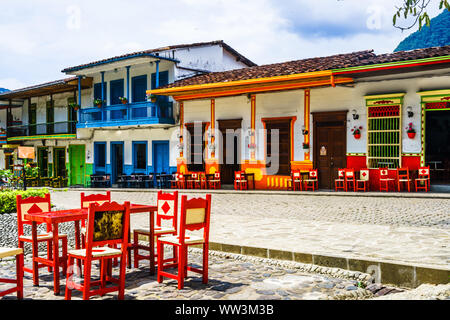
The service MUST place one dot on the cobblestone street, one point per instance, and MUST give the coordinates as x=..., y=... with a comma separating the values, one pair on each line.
x=393, y=229
x=407, y=230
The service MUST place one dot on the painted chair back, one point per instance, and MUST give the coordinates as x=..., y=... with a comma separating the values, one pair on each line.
x=350, y=174
x=341, y=173
x=402, y=173
x=108, y=224
x=296, y=175
x=238, y=175
x=384, y=173
x=424, y=172
x=364, y=174
x=167, y=208
x=94, y=198
x=31, y=205
x=195, y=215
x=217, y=175
x=194, y=176
x=313, y=174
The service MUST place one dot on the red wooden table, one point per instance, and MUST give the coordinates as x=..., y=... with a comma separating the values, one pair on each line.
x=76, y=215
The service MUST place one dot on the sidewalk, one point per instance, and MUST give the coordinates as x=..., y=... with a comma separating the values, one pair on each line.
x=403, y=239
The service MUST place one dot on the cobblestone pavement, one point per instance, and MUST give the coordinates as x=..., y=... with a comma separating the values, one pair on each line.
x=402, y=230
x=230, y=277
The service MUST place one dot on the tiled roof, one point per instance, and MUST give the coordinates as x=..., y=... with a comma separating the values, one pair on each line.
x=339, y=61
x=172, y=47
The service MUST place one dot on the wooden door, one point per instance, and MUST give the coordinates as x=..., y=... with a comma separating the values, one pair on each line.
x=161, y=156
x=283, y=126
x=231, y=160
x=329, y=146
x=117, y=158
x=76, y=164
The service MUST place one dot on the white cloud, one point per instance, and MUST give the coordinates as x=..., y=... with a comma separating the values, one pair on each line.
x=12, y=83
x=42, y=37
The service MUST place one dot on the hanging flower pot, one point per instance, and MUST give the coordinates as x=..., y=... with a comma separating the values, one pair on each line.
x=356, y=131
x=410, y=131
x=411, y=134
x=123, y=100
x=98, y=103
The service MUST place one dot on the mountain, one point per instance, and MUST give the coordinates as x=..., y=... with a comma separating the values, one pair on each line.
x=3, y=90
x=436, y=35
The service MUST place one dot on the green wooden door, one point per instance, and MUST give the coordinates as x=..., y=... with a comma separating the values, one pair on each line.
x=32, y=119
x=77, y=164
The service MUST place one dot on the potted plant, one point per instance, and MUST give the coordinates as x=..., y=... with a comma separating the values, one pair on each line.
x=410, y=131
x=74, y=105
x=152, y=98
x=98, y=102
x=305, y=146
x=357, y=132
x=252, y=146
x=123, y=100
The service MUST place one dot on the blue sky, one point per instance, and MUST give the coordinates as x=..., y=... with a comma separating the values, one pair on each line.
x=41, y=37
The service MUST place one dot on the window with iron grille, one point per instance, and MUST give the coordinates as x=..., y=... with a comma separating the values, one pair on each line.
x=384, y=133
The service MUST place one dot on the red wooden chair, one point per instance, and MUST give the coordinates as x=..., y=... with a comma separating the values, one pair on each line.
x=339, y=183
x=167, y=210
x=195, y=215
x=18, y=253
x=108, y=225
x=35, y=205
x=312, y=182
x=240, y=183
x=361, y=183
x=295, y=180
x=194, y=181
x=215, y=182
x=403, y=177
x=385, y=180
x=174, y=183
x=181, y=181
x=85, y=203
x=350, y=182
x=422, y=182
x=202, y=182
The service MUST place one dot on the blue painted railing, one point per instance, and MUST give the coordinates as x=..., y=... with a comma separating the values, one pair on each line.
x=127, y=114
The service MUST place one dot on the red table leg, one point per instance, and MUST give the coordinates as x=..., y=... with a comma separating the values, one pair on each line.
x=55, y=259
x=35, y=253
x=152, y=243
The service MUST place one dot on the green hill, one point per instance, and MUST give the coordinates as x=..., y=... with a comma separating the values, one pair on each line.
x=436, y=35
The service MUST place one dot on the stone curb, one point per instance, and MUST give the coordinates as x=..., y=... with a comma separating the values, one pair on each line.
x=401, y=275
x=408, y=195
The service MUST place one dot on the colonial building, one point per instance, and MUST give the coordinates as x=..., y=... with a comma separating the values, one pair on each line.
x=342, y=111
x=41, y=116
x=113, y=128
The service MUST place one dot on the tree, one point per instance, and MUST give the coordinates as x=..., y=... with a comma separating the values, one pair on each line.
x=416, y=9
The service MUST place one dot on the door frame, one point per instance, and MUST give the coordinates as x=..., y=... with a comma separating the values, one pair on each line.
x=112, y=158
x=327, y=116
x=156, y=142
x=239, y=146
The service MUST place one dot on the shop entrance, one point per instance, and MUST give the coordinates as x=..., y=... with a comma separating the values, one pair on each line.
x=437, y=145
x=330, y=145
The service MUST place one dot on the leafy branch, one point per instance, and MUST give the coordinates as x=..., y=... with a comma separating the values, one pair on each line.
x=417, y=10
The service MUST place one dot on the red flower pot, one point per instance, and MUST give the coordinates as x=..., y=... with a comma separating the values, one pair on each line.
x=357, y=135
x=411, y=135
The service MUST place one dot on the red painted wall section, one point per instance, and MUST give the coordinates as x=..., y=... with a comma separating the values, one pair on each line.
x=359, y=162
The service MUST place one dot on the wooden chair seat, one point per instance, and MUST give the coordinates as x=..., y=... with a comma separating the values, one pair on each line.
x=176, y=240
x=41, y=237
x=157, y=231
x=96, y=252
x=10, y=252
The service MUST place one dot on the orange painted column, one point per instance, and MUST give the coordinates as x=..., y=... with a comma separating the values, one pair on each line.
x=253, y=126
x=181, y=161
x=181, y=126
x=213, y=125
x=306, y=108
